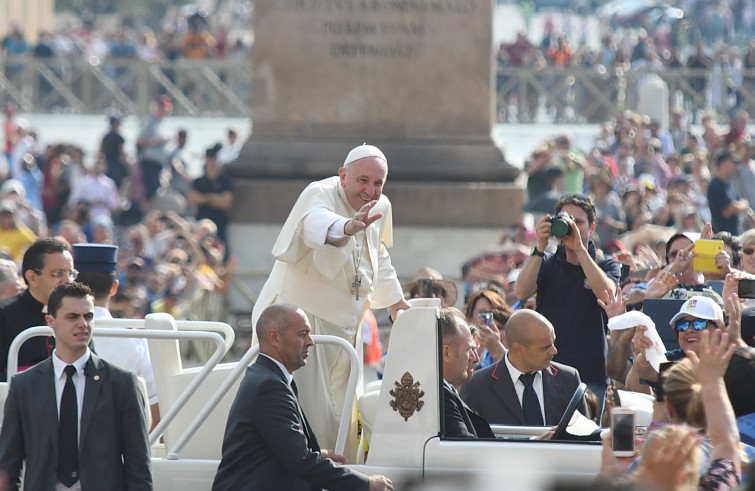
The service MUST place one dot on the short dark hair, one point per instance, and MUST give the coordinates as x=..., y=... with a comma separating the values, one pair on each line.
x=579, y=200
x=34, y=257
x=733, y=242
x=724, y=156
x=99, y=282
x=75, y=290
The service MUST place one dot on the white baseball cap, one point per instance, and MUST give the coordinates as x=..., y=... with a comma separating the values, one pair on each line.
x=364, y=151
x=701, y=307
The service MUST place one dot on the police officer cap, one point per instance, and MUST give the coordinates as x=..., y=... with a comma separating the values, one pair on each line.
x=95, y=258
x=363, y=151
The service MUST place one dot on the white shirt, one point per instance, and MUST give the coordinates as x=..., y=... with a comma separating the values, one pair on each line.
x=283, y=368
x=79, y=380
x=100, y=192
x=128, y=353
x=537, y=384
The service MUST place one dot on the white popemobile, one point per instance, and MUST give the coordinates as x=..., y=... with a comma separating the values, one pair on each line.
x=401, y=416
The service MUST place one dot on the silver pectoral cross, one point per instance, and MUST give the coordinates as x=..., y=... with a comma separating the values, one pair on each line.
x=357, y=284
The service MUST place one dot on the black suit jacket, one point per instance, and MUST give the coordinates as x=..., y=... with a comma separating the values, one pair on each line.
x=16, y=315
x=460, y=421
x=491, y=394
x=265, y=447
x=113, y=441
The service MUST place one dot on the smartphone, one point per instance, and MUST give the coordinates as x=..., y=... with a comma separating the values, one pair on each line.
x=622, y=431
x=746, y=289
x=486, y=318
x=660, y=396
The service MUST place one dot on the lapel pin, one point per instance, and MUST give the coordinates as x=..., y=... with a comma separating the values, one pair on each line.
x=96, y=378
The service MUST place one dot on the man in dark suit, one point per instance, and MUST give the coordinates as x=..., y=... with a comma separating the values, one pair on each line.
x=104, y=444
x=268, y=443
x=459, y=359
x=526, y=387
x=47, y=263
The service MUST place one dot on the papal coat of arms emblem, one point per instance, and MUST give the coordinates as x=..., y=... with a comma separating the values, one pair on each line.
x=407, y=395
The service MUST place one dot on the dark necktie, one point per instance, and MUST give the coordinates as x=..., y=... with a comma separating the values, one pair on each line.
x=311, y=440
x=533, y=416
x=68, y=432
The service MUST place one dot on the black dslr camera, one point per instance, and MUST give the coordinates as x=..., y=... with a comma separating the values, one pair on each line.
x=559, y=224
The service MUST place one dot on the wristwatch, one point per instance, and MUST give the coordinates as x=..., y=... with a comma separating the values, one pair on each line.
x=535, y=252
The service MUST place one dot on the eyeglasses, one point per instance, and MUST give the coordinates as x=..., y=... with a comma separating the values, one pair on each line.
x=61, y=273
x=747, y=251
x=634, y=306
x=698, y=325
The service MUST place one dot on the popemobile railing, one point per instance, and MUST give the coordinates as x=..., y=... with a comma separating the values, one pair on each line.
x=223, y=88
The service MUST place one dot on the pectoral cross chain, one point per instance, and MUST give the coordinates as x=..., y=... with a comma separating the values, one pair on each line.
x=357, y=284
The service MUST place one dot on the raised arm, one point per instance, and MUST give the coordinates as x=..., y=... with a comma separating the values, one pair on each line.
x=710, y=365
x=526, y=283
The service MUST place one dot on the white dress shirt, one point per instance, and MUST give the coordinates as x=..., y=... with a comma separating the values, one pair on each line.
x=537, y=384
x=283, y=368
x=131, y=354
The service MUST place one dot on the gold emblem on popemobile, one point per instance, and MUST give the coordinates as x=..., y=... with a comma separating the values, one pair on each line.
x=407, y=395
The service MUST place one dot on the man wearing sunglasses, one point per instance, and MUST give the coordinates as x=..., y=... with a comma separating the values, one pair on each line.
x=696, y=315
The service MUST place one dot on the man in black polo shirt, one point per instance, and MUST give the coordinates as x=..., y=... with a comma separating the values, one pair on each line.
x=212, y=193
x=568, y=284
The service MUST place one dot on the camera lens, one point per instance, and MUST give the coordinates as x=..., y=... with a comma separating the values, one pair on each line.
x=560, y=227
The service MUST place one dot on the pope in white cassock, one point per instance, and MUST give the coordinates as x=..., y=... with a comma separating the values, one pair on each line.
x=332, y=262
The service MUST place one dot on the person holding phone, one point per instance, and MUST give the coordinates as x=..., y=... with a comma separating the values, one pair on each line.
x=489, y=313
x=672, y=454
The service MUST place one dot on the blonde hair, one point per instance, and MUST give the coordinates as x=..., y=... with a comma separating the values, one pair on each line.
x=684, y=394
x=747, y=238
x=675, y=433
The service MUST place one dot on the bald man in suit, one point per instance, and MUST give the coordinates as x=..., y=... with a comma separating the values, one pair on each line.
x=499, y=393
x=268, y=443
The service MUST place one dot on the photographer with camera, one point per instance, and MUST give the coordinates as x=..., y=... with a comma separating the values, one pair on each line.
x=568, y=284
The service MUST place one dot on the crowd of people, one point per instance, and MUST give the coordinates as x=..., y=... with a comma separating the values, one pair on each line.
x=181, y=33
x=712, y=39
x=170, y=225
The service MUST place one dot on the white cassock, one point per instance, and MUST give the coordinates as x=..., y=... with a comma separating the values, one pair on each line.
x=319, y=278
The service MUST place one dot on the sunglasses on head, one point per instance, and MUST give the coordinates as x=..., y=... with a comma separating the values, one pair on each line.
x=698, y=325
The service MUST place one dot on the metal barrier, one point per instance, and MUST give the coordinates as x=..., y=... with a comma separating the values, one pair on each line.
x=79, y=86
x=241, y=366
x=594, y=95
x=223, y=88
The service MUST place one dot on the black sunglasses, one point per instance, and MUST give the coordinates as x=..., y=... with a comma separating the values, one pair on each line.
x=747, y=251
x=634, y=306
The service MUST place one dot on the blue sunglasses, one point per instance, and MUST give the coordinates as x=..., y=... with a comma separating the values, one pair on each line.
x=683, y=324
